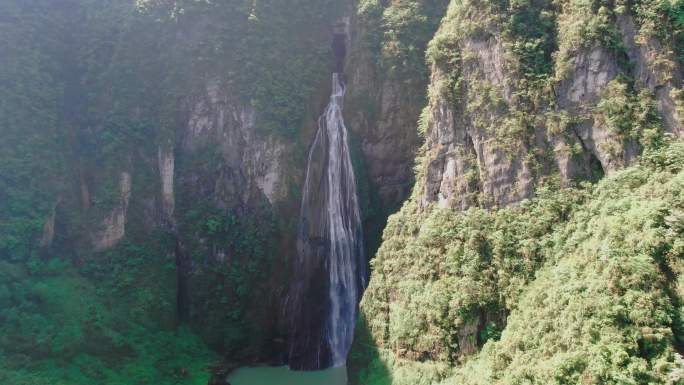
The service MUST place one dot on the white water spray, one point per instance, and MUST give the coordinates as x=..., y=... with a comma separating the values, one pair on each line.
x=341, y=218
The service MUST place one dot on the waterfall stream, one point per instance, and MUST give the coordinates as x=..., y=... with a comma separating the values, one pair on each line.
x=330, y=246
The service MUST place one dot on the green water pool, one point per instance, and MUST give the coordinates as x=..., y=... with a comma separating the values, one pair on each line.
x=284, y=376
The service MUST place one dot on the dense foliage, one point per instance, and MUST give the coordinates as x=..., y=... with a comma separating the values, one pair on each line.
x=91, y=92
x=108, y=321
x=274, y=53
x=238, y=251
x=397, y=33
x=583, y=282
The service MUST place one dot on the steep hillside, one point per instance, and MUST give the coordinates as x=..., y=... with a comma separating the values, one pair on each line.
x=508, y=264
x=578, y=285
x=151, y=164
x=153, y=157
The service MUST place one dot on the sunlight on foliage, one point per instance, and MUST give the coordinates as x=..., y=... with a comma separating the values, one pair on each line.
x=584, y=283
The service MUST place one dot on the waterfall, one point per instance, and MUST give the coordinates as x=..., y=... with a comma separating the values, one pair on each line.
x=330, y=247
x=344, y=229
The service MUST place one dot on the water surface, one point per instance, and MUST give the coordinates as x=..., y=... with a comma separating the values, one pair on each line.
x=284, y=376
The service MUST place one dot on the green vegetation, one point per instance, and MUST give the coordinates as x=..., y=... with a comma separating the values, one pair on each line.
x=584, y=282
x=232, y=254
x=92, y=89
x=530, y=31
x=112, y=317
x=607, y=304
x=399, y=32
x=630, y=116
x=271, y=52
x=109, y=321
x=663, y=19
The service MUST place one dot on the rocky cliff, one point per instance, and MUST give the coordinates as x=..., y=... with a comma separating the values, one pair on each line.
x=496, y=125
x=152, y=161
x=158, y=148
x=524, y=98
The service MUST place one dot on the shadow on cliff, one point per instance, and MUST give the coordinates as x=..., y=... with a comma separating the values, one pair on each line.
x=364, y=364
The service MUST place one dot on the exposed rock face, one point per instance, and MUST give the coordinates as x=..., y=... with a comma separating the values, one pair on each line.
x=114, y=224
x=467, y=165
x=470, y=158
x=250, y=163
x=494, y=133
x=467, y=337
x=48, y=230
x=578, y=94
x=655, y=69
x=388, y=143
x=382, y=114
x=227, y=169
x=167, y=163
x=592, y=70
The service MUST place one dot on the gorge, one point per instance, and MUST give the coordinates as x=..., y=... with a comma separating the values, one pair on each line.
x=401, y=192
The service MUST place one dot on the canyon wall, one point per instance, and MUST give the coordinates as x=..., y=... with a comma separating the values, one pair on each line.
x=175, y=134
x=525, y=99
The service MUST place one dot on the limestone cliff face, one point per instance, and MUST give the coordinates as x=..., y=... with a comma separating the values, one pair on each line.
x=384, y=103
x=491, y=147
x=250, y=165
x=465, y=164
x=113, y=227
x=656, y=69
x=166, y=164
x=388, y=138
x=227, y=166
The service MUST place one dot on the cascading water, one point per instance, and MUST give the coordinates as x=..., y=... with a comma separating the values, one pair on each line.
x=330, y=269
x=344, y=224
